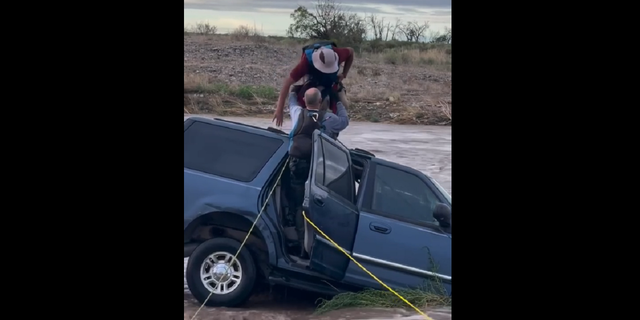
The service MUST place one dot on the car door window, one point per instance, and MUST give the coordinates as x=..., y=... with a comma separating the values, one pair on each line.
x=333, y=171
x=319, y=165
x=402, y=195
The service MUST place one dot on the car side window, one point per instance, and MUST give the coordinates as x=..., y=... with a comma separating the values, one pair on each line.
x=402, y=195
x=320, y=165
x=333, y=171
x=225, y=152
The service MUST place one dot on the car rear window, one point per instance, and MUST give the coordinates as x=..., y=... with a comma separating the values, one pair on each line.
x=228, y=153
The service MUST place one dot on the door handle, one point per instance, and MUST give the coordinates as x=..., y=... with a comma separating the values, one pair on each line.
x=379, y=228
x=318, y=201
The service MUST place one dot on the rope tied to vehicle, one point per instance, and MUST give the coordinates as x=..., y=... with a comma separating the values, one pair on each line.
x=235, y=256
x=363, y=268
x=319, y=231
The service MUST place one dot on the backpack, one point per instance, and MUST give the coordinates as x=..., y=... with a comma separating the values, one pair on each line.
x=322, y=78
x=316, y=45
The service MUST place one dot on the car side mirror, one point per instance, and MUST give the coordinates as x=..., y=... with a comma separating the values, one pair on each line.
x=442, y=213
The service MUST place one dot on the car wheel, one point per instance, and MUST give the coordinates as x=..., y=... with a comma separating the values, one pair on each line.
x=211, y=269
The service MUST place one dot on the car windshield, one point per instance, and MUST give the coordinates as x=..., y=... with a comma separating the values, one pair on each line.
x=442, y=190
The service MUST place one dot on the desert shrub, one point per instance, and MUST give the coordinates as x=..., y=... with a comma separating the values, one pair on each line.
x=246, y=32
x=204, y=28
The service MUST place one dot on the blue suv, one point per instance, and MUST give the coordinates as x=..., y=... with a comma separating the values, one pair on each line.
x=394, y=220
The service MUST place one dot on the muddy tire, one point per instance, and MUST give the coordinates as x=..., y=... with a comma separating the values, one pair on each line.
x=210, y=269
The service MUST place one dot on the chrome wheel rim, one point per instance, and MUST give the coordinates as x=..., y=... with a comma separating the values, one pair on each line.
x=221, y=273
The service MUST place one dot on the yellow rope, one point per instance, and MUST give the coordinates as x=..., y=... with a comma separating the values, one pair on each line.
x=323, y=234
x=245, y=238
x=364, y=269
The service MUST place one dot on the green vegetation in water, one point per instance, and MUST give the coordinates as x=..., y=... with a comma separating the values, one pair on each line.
x=383, y=299
x=432, y=294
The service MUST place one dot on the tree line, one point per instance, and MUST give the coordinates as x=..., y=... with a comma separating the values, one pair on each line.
x=328, y=19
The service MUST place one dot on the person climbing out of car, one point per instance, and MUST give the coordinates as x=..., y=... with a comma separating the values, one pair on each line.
x=320, y=64
x=304, y=122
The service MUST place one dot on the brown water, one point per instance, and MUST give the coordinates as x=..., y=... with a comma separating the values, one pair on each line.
x=264, y=307
x=425, y=148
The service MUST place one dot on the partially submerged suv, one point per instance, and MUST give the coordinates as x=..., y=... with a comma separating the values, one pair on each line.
x=394, y=220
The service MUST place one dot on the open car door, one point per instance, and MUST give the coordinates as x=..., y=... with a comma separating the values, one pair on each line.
x=329, y=203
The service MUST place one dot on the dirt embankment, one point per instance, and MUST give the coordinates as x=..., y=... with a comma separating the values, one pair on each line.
x=243, y=77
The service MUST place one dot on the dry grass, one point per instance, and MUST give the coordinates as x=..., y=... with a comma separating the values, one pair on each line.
x=194, y=83
x=394, y=82
x=395, y=53
x=202, y=95
x=398, y=100
x=248, y=33
x=202, y=28
x=362, y=80
x=437, y=58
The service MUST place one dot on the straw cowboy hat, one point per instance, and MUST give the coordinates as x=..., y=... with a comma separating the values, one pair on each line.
x=325, y=60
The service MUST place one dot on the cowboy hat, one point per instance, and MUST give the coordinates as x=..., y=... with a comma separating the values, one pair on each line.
x=329, y=63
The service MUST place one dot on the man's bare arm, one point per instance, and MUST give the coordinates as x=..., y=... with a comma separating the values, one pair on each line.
x=348, y=62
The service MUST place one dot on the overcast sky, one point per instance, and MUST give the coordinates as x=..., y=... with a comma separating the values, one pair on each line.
x=272, y=16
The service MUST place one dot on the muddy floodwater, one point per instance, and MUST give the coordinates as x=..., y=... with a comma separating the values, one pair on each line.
x=425, y=148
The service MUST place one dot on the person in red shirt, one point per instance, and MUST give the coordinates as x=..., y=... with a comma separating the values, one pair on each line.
x=320, y=61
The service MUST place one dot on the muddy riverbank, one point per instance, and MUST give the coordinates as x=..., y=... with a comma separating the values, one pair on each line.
x=265, y=307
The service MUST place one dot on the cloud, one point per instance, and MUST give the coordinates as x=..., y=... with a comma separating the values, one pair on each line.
x=441, y=4
x=238, y=5
x=233, y=22
x=369, y=6
x=440, y=13
x=274, y=14
x=271, y=10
